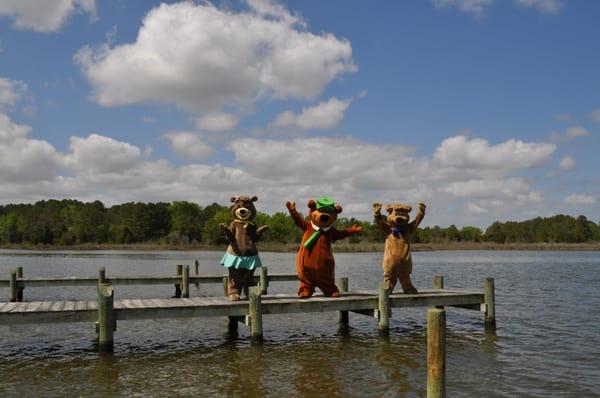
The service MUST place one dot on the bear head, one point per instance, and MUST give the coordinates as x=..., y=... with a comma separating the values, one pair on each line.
x=243, y=207
x=323, y=212
x=398, y=214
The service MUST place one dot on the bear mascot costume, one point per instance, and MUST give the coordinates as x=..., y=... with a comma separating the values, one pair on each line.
x=241, y=257
x=397, y=261
x=315, y=264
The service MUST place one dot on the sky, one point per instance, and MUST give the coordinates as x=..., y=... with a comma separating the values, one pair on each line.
x=484, y=110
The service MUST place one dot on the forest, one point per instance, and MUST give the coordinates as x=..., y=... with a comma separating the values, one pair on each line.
x=71, y=222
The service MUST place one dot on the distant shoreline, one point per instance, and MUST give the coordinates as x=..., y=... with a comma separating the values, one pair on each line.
x=339, y=248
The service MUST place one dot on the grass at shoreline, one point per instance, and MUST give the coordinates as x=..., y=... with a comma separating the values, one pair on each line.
x=340, y=247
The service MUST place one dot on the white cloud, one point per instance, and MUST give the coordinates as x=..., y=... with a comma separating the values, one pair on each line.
x=200, y=58
x=325, y=115
x=44, y=15
x=23, y=159
x=11, y=92
x=577, y=131
x=476, y=153
x=217, y=122
x=189, y=144
x=543, y=6
x=580, y=199
x=475, y=8
x=594, y=115
x=567, y=163
x=97, y=154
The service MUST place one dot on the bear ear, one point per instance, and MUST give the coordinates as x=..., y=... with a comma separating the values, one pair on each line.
x=312, y=205
x=254, y=198
x=338, y=209
x=233, y=199
x=389, y=208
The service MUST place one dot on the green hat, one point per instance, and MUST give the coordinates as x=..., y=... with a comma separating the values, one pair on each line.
x=326, y=204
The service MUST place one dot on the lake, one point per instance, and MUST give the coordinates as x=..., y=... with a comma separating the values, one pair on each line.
x=547, y=343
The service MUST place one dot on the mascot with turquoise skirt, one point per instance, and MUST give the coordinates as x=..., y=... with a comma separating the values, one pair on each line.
x=241, y=258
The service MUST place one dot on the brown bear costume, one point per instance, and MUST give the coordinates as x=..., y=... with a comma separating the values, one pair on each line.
x=241, y=257
x=315, y=264
x=397, y=261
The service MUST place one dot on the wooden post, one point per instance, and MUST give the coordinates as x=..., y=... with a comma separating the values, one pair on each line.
x=185, y=282
x=438, y=282
x=436, y=353
x=101, y=275
x=197, y=265
x=13, y=285
x=255, y=313
x=226, y=285
x=20, y=288
x=264, y=279
x=343, y=315
x=384, y=308
x=490, y=305
x=106, y=317
x=177, y=285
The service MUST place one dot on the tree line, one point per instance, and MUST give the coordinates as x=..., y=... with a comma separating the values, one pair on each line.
x=71, y=222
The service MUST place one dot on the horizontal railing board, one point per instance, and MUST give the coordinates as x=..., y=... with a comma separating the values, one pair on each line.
x=86, y=310
x=133, y=280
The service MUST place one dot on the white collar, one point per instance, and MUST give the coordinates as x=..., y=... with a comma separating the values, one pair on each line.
x=317, y=228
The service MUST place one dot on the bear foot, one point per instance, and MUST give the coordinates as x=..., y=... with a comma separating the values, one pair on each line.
x=234, y=297
x=335, y=294
x=304, y=293
x=410, y=290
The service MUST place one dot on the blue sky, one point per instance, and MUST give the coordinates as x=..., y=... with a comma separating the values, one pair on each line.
x=485, y=110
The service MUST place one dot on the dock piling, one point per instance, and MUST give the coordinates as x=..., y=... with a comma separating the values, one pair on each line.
x=13, y=285
x=343, y=315
x=179, y=269
x=226, y=286
x=106, y=317
x=185, y=282
x=438, y=281
x=490, y=305
x=384, y=308
x=101, y=275
x=436, y=353
x=255, y=313
x=264, y=279
x=21, y=287
x=197, y=265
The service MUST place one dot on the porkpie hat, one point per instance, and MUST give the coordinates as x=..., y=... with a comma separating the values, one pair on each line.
x=325, y=204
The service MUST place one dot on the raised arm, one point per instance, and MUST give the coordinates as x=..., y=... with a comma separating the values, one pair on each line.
x=338, y=235
x=297, y=217
x=381, y=220
x=261, y=230
x=228, y=232
x=419, y=217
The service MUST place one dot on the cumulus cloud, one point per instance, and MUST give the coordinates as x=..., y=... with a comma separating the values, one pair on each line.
x=475, y=8
x=577, y=131
x=353, y=171
x=580, y=199
x=97, y=154
x=567, y=163
x=23, y=159
x=464, y=152
x=200, y=57
x=189, y=144
x=11, y=92
x=325, y=115
x=594, y=115
x=543, y=6
x=216, y=122
x=44, y=15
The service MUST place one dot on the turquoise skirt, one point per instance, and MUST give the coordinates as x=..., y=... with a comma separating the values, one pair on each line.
x=238, y=262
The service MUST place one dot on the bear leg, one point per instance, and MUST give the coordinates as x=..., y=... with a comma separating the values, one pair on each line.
x=236, y=283
x=405, y=271
x=306, y=288
x=391, y=272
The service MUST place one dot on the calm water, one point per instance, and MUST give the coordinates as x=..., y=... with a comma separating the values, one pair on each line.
x=547, y=343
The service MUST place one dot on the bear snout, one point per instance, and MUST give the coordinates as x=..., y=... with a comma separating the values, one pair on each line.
x=324, y=218
x=242, y=213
